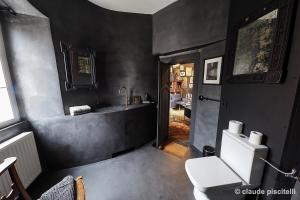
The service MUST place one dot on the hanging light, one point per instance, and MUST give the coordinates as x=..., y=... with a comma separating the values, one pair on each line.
x=6, y=8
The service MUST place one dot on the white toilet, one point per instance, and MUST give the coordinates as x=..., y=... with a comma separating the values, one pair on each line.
x=225, y=178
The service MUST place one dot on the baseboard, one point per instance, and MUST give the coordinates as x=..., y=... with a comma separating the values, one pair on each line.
x=195, y=149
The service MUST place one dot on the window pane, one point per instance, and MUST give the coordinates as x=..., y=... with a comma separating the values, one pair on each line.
x=6, y=112
x=2, y=80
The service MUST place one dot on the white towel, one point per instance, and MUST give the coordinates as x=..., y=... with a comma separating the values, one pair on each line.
x=78, y=110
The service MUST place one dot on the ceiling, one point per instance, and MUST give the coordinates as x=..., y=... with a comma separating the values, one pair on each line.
x=134, y=6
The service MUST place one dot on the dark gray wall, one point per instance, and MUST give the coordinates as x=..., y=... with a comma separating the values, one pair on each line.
x=263, y=107
x=124, y=58
x=206, y=115
x=68, y=141
x=189, y=23
x=290, y=158
x=32, y=63
x=123, y=43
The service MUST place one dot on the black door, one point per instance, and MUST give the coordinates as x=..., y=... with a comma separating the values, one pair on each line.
x=164, y=103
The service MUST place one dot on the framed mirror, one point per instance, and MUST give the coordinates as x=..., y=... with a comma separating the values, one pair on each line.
x=79, y=67
x=258, y=45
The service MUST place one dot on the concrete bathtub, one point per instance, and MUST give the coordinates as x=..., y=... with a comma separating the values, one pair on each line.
x=67, y=141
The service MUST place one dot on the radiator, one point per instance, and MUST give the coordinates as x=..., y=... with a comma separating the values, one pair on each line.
x=28, y=164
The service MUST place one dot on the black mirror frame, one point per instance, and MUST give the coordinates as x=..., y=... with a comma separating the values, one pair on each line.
x=276, y=71
x=68, y=51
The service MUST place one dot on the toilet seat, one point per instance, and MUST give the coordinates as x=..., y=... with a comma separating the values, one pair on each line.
x=210, y=173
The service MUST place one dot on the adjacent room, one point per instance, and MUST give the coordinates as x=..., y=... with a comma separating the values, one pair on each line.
x=149, y=99
x=181, y=89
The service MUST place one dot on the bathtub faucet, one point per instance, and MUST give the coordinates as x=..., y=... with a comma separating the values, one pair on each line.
x=125, y=94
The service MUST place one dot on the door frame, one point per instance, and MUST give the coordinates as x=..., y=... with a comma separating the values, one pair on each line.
x=162, y=87
x=192, y=56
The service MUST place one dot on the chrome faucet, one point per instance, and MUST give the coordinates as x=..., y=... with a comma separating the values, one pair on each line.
x=126, y=96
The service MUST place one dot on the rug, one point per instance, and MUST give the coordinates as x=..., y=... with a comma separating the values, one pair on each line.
x=179, y=132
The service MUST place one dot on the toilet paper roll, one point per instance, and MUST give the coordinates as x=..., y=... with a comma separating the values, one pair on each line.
x=235, y=127
x=255, y=137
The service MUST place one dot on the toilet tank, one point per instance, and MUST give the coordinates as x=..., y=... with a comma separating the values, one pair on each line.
x=241, y=156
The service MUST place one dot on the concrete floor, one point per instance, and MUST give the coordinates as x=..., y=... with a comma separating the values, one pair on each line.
x=144, y=174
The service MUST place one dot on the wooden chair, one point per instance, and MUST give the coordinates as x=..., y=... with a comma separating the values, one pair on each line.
x=17, y=188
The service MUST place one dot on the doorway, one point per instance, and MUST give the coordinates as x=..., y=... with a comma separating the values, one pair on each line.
x=180, y=108
x=178, y=89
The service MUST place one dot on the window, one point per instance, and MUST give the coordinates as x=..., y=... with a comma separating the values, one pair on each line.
x=8, y=108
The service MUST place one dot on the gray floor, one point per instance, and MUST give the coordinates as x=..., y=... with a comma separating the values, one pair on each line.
x=144, y=174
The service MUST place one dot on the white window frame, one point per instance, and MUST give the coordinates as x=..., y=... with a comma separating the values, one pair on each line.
x=9, y=85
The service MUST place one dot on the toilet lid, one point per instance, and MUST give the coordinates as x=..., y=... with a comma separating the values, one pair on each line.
x=211, y=173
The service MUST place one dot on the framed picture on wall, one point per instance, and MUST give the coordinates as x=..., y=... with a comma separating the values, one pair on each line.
x=182, y=73
x=189, y=71
x=212, y=71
